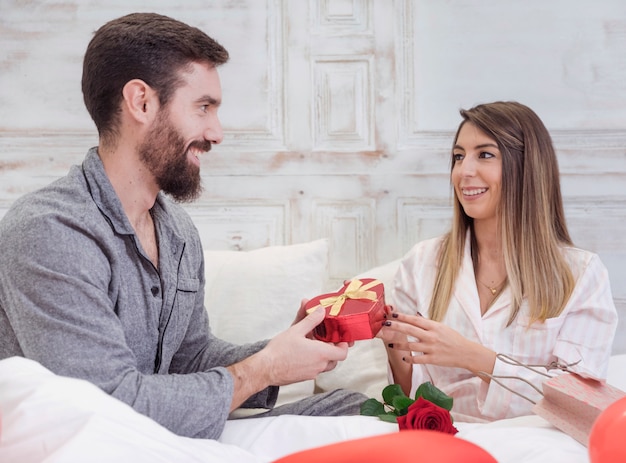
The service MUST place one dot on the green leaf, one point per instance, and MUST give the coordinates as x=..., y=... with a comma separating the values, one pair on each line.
x=401, y=404
x=372, y=407
x=392, y=391
x=388, y=417
x=433, y=394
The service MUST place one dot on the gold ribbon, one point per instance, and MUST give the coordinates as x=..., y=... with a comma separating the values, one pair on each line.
x=355, y=290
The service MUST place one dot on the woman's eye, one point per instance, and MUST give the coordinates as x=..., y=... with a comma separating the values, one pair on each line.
x=486, y=155
x=457, y=156
x=204, y=108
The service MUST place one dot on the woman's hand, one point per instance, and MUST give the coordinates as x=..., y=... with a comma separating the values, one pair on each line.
x=436, y=344
x=400, y=370
x=391, y=337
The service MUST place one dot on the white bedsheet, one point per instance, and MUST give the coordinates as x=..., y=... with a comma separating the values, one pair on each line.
x=55, y=419
x=61, y=420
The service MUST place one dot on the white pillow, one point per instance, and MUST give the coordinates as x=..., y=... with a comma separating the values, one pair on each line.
x=254, y=295
x=365, y=369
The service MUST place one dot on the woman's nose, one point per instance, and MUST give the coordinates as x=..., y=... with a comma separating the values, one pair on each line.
x=468, y=166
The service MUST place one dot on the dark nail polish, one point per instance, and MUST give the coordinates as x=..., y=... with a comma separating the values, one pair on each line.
x=390, y=345
x=403, y=359
x=394, y=315
x=419, y=314
x=387, y=323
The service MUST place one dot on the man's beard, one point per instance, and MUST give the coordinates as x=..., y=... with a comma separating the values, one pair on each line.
x=163, y=152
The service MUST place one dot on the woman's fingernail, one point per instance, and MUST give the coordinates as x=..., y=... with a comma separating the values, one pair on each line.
x=394, y=315
x=419, y=314
x=390, y=345
x=387, y=323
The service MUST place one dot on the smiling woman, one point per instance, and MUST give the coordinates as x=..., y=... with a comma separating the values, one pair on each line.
x=506, y=278
x=477, y=173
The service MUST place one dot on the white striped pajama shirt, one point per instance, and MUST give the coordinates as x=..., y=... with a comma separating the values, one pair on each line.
x=583, y=332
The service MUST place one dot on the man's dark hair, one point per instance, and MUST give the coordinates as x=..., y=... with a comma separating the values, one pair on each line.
x=146, y=46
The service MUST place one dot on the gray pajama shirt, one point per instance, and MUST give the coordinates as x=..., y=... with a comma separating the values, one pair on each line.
x=79, y=295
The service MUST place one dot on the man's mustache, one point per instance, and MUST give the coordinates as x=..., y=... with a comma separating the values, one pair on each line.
x=204, y=146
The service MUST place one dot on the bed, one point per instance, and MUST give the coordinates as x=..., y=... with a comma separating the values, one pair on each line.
x=44, y=417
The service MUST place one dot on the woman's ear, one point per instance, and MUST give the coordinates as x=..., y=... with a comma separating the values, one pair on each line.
x=140, y=101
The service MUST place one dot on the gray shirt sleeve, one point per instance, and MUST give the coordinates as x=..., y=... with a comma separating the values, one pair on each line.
x=69, y=304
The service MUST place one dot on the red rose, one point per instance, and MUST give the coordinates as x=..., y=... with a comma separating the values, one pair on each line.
x=423, y=414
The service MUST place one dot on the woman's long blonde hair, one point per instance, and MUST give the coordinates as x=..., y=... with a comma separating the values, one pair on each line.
x=533, y=227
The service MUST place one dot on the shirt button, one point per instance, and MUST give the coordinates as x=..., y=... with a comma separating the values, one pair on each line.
x=155, y=291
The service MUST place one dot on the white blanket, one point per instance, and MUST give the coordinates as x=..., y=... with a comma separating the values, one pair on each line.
x=56, y=419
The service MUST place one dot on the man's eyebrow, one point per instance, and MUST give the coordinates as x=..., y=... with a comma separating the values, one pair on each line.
x=207, y=99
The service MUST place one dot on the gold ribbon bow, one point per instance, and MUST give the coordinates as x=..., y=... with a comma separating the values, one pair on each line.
x=355, y=290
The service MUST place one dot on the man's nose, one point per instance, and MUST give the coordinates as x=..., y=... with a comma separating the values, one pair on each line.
x=214, y=132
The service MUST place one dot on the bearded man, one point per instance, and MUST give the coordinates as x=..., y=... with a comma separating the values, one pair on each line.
x=102, y=273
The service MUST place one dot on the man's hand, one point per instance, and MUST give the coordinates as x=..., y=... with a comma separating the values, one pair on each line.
x=288, y=358
x=297, y=357
x=301, y=313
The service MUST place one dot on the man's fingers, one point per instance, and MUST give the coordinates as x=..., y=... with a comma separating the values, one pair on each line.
x=331, y=365
x=308, y=323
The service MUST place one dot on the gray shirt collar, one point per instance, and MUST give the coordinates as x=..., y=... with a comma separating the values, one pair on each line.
x=105, y=196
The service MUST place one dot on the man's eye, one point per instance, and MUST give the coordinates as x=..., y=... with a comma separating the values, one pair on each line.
x=204, y=108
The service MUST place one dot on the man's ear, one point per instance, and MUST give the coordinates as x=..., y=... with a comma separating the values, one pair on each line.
x=140, y=101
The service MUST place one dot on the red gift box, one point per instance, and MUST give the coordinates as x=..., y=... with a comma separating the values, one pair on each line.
x=355, y=312
x=572, y=403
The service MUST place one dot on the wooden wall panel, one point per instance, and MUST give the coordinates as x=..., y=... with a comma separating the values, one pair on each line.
x=422, y=219
x=339, y=114
x=337, y=17
x=563, y=58
x=241, y=225
x=348, y=224
x=344, y=108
